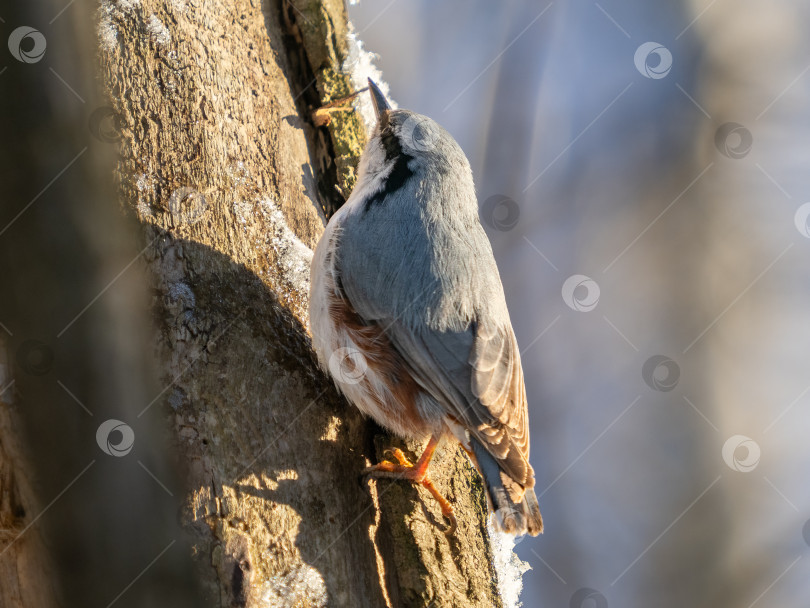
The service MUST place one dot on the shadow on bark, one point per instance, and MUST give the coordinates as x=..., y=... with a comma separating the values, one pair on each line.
x=274, y=457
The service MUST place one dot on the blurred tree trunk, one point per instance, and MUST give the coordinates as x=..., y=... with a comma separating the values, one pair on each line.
x=228, y=180
x=26, y=569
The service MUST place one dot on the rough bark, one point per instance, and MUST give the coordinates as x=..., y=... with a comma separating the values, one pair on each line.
x=229, y=180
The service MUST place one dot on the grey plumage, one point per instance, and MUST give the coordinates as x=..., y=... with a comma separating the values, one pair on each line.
x=409, y=255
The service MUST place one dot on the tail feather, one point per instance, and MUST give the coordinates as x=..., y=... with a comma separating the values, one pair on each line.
x=511, y=517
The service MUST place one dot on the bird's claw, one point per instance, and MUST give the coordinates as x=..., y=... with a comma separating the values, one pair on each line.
x=404, y=469
x=398, y=456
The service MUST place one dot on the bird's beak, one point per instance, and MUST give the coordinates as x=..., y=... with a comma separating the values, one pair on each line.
x=378, y=99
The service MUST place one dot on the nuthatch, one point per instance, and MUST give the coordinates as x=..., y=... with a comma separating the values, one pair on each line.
x=408, y=314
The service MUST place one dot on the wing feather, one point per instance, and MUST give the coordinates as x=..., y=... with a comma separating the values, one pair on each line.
x=476, y=375
x=426, y=276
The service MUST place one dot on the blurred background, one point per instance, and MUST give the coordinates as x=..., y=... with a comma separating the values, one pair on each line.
x=642, y=174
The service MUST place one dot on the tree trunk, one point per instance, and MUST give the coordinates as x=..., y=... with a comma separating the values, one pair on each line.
x=26, y=570
x=210, y=106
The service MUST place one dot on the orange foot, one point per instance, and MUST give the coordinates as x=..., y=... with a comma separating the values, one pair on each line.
x=415, y=473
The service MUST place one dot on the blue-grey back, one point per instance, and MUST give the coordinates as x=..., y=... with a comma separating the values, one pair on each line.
x=419, y=254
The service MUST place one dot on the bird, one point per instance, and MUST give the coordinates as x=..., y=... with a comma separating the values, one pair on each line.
x=409, y=317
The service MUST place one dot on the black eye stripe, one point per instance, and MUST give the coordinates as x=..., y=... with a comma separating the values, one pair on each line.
x=400, y=172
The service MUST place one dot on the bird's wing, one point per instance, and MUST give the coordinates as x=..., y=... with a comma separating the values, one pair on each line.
x=437, y=296
x=477, y=376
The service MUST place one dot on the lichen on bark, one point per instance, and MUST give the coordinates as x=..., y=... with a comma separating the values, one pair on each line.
x=321, y=28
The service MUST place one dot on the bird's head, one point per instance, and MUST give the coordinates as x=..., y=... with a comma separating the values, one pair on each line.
x=405, y=145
